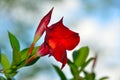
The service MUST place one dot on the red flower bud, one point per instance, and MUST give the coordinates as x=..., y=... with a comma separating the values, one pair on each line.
x=42, y=26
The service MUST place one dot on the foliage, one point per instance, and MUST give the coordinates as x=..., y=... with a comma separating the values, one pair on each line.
x=18, y=61
x=78, y=65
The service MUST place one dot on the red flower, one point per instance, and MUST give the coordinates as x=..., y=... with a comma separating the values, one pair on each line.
x=58, y=39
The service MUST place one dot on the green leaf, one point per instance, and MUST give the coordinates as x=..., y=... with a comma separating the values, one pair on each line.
x=75, y=54
x=85, y=64
x=16, y=57
x=5, y=62
x=14, y=42
x=92, y=76
x=74, y=70
x=16, y=49
x=24, y=53
x=89, y=76
x=0, y=55
x=2, y=78
x=81, y=57
x=60, y=73
x=104, y=78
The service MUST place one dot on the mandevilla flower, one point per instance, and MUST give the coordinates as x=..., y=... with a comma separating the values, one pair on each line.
x=58, y=39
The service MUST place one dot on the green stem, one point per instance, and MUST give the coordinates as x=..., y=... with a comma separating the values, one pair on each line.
x=76, y=77
x=7, y=76
x=1, y=70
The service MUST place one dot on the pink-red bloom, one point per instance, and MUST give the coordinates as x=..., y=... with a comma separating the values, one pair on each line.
x=58, y=39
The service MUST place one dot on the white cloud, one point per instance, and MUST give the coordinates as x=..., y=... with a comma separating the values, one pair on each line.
x=104, y=38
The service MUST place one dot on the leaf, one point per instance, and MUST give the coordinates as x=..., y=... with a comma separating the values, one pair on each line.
x=85, y=64
x=14, y=42
x=16, y=57
x=73, y=67
x=104, y=78
x=89, y=76
x=16, y=49
x=74, y=70
x=0, y=55
x=92, y=76
x=75, y=54
x=2, y=78
x=60, y=73
x=5, y=62
x=24, y=53
x=82, y=55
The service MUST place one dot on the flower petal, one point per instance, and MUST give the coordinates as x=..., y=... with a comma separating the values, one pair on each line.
x=43, y=49
x=57, y=51
x=60, y=55
x=68, y=38
x=71, y=41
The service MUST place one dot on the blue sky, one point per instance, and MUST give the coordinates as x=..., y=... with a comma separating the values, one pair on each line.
x=98, y=28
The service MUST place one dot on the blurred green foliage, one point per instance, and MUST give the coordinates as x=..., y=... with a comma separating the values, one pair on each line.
x=78, y=66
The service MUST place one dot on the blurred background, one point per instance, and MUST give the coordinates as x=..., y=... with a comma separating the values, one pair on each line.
x=97, y=22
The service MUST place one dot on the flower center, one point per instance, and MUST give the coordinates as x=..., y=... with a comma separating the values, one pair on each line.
x=52, y=44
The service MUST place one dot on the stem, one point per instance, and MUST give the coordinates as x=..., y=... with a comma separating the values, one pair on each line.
x=29, y=51
x=1, y=71
x=76, y=77
x=94, y=63
x=31, y=59
x=7, y=76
